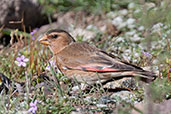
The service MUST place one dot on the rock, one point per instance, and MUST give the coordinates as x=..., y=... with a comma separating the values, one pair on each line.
x=106, y=99
x=15, y=10
x=122, y=83
x=124, y=95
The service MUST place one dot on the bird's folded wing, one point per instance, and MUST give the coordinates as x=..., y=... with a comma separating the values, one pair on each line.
x=92, y=59
x=100, y=66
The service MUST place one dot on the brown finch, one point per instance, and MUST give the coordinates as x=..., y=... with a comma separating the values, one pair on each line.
x=87, y=63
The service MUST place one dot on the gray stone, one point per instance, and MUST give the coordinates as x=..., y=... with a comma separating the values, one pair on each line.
x=14, y=10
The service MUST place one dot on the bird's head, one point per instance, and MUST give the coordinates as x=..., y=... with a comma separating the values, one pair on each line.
x=56, y=40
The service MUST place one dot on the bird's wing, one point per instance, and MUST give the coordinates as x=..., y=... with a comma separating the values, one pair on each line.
x=81, y=56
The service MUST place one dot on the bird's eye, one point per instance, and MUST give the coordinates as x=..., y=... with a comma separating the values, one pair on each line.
x=54, y=36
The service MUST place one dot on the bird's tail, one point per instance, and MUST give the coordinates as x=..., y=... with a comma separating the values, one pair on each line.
x=146, y=76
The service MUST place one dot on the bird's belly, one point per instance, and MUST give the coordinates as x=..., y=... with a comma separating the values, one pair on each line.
x=87, y=77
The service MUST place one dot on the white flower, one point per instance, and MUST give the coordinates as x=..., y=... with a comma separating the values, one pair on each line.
x=123, y=12
x=131, y=26
x=111, y=14
x=134, y=60
x=137, y=11
x=168, y=31
x=126, y=57
x=91, y=27
x=130, y=21
x=143, y=46
x=119, y=39
x=141, y=28
x=131, y=33
x=117, y=21
x=157, y=27
x=128, y=51
x=165, y=27
x=122, y=25
x=101, y=105
x=75, y=88
x=131, y=5
x=82, y=87
x=155, y=61
x=85, y=33
x=135, y=38
x=136, y=54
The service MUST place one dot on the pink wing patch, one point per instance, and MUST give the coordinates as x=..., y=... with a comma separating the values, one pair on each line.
x=95, y=68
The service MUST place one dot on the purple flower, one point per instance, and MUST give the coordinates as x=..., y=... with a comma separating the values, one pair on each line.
x=21, y=61
x=34, y=31
x=33, y=107
x=170, y=69
x=33, y=37
x=52, y=64
x=147, y=54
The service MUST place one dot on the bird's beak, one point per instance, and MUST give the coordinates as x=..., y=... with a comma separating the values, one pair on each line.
x=44, y=40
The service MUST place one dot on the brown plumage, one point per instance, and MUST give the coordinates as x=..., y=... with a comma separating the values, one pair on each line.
x=87, y=63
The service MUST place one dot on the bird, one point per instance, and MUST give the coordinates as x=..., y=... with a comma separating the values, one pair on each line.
x=85, y=62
